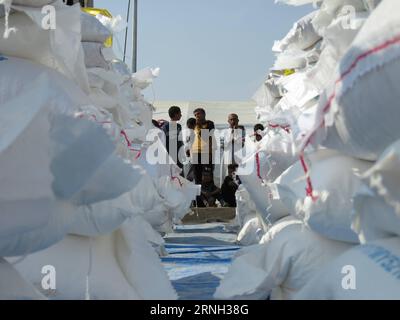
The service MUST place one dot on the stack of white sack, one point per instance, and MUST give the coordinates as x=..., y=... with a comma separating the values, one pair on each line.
x=80, y=184
x=281, y=265
x=271, y=156
x=288, y=99
x=357, y=113
x=327, y=208
x=251, y=228
x=16, y=288
x=50, y=162
x=95, y=31
x=355, y=116
x=55, y=43
x=54, y=159
x=371, y=270
x=377, y=204
x=306, y=60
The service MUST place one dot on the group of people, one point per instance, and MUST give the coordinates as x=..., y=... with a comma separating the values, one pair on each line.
x=198, y=144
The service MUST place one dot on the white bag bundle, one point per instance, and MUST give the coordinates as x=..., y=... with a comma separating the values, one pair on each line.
x=335, y=178
x=301, y=36
x=273, y=157
x=365, y=272
x=148, y=233
x=178, y=194
x=92, y=29
x=141, y=264
x=94, y=55
x=377, y=206
x=374, y=219
x=34, y=238
x=265, y=102
x=331, y=9
x=338, y=36
x=357, y=112
x=384, y=176
x=78, y=261
x=102, y=217
x=287, y=259
x=38, y=130
x=13, y=286
x=148, y=203
x=269, y=208
x=291, y=59
x=245, y=207
x=58, y=48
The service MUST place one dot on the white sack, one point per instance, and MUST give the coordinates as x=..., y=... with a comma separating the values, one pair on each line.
x=251, y=233
x=59, y=49
x=13, y=286
x=335, y=178
x=359, y=108
x=94, y=57
x=72, y=262
x=288, y=257
x=374, y=219
x=92, y=29
x=374, y=270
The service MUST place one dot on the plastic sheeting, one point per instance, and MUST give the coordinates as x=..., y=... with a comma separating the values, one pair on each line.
x=198, y=259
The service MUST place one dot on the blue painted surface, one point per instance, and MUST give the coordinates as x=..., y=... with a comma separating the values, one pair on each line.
x=196, y=264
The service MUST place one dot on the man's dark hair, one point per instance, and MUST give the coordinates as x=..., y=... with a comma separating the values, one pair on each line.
x=199, y=110
x=191, y=122
x=173, y=111
x=233, y=166
x=258, y=126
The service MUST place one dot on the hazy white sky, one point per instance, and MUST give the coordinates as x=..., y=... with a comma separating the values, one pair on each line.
x=207, y=49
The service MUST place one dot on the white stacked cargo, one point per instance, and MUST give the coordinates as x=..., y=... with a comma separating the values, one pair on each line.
x=69, y=176
x=366, y=81
x=319, y=189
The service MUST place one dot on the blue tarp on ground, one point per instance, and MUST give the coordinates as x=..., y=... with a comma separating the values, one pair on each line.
x=198, y=257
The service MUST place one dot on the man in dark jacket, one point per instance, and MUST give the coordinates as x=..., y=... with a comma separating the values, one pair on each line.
x=203, y=146
x=230, y=186
x=173, y=135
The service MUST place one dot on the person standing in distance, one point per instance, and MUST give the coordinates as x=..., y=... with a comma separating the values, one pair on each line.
x=203, y=145
x=173, y=135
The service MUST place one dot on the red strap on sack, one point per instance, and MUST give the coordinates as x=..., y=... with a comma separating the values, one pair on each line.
x=258, y=166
